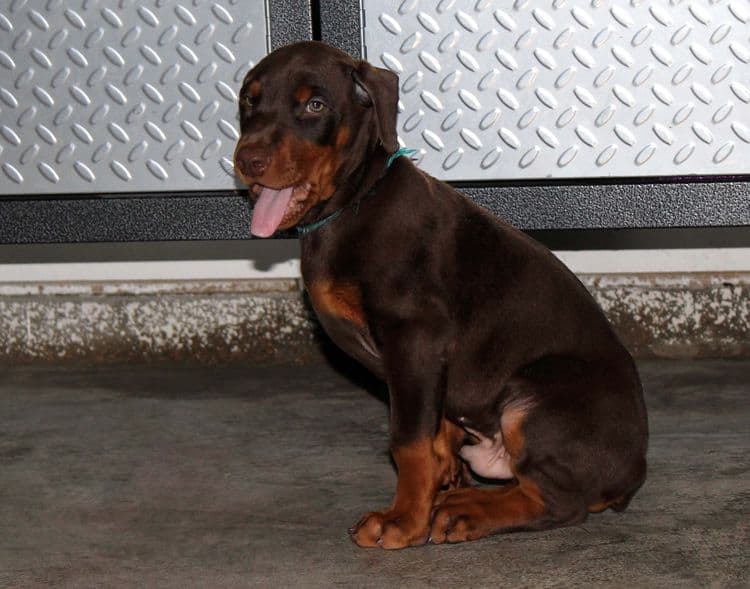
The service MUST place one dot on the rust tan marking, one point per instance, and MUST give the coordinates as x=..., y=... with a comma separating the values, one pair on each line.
x=407, y=521
x=297, y=162
x=320, y=163
x=342, y=137
x=520, y=506
x=447, y=443
x=531, y=490
x=511, y=425
x=340, y=300
x=254, y=88
x=471, y=513
x=303, y=94
x=601, y=506
x=418, y=473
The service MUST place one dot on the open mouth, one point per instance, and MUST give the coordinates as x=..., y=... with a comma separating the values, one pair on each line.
x=277, y=208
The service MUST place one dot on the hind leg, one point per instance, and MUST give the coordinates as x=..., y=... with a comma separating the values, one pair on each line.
x=447, y=444
x=472, y=513
x=532, y=501
x=573, y=448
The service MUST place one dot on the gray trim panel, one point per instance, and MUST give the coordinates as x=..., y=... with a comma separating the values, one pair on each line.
x=290, y=21
x=226, y=215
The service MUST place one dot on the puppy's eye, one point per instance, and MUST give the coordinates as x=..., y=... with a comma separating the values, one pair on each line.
x=248, y=101
x=315, y=106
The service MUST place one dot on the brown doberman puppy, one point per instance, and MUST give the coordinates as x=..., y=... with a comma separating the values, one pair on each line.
x=494, y=353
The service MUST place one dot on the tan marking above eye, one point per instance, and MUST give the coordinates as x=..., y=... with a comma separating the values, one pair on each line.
x=342, y=137
x=254, y=88
x=303, y=94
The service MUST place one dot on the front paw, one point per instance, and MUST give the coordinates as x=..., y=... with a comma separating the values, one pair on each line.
x=389, y=530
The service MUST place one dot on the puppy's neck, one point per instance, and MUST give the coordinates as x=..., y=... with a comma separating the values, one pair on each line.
x=354, y=185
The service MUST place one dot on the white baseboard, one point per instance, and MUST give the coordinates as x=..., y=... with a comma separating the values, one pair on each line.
x=718, y=260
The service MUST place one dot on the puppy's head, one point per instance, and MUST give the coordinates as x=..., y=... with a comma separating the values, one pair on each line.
x=309, y=116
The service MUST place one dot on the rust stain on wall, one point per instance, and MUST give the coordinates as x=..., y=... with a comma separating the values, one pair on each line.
x=215, y=326
x=678, y=315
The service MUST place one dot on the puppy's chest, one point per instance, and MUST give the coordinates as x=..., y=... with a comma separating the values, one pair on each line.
x=338, y=305
x=341, y=300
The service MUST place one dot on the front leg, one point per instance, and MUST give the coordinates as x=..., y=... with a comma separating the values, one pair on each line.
x=407, y=521
x=423, y=446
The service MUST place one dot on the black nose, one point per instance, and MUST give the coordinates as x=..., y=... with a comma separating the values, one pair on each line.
x=252, y=162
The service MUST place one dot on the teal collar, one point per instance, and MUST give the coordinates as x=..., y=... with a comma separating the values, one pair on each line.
x=305, y=229
x=397, y=154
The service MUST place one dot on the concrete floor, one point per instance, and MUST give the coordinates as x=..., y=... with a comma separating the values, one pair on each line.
x=201, y=477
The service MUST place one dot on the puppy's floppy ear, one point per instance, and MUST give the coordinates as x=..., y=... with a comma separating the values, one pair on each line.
x=378, y=88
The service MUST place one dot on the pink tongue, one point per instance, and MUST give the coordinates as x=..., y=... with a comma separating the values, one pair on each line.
x=269, y=210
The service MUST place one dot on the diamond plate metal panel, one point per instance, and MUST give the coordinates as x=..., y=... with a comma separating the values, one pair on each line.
x=119, y=96
x=558, y=88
